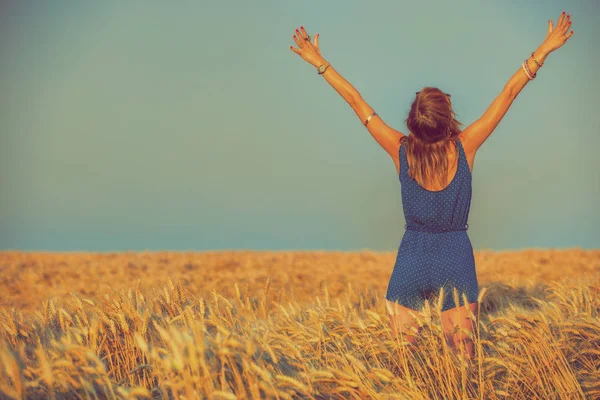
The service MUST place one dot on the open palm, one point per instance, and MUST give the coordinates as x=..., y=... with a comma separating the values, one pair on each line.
x=558, y=36
x=310, y=52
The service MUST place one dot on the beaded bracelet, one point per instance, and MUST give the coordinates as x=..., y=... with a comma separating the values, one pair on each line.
x=536, y=61
x=529, y=69
x=525, y=69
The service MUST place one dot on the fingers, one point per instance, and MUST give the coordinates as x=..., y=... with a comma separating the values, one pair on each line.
x=303, y=33
x=560, y=20
x=301, y=38
x=568, y=35
x=299, y=41
x=567, y=27
x=564, y=24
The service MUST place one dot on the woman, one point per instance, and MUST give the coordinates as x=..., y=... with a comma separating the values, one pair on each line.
x=434, y=163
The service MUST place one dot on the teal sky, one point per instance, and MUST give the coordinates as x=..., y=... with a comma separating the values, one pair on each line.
x=191, y=125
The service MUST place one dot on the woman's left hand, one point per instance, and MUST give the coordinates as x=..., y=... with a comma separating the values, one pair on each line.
x=308, y=51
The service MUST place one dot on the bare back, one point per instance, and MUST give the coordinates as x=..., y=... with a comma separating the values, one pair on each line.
x=452, y=163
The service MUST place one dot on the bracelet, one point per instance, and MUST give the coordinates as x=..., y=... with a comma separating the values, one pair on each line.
x=526, y=69
x=529, y=69
x=369, y=118
x=536, y=61
x=526, y=73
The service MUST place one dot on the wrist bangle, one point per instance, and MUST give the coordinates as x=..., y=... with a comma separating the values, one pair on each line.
x=369, y=118
x=526, y=73
x=536, y=61
x=529, y=70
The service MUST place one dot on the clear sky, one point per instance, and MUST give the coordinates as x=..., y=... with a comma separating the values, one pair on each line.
x=191, y=125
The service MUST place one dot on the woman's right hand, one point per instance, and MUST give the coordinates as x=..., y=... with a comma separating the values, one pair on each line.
x=558, y=36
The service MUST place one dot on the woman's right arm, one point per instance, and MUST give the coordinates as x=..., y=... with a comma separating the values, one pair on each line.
x=476, y=133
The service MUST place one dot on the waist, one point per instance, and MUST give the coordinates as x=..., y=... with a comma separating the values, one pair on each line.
x=422, y=228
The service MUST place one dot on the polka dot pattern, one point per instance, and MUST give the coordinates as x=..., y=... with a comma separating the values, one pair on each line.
x=435, y=250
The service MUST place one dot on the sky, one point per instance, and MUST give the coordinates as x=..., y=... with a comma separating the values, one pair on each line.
x=191, y=125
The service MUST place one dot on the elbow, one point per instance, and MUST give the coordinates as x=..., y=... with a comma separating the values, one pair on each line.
x=511, y=92
x=353, y=96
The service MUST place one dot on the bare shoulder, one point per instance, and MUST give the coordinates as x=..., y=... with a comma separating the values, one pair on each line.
x=396, y=155
x=469, y=147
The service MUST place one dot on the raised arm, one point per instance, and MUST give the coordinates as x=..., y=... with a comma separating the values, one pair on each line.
x=475, y=134
x=385, y=135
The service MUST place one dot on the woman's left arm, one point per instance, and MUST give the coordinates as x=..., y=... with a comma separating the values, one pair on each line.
x=385, y=135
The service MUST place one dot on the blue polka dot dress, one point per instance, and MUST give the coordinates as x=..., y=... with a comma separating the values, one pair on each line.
x=435, y=250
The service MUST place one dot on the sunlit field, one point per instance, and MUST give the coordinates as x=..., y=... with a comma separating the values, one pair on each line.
x=286, y=325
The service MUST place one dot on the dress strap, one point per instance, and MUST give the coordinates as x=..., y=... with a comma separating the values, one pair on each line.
x=461, y=153
x=460, y=147
x=402, y=157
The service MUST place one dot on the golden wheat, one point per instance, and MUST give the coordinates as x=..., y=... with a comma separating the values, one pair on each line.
x=247, y=326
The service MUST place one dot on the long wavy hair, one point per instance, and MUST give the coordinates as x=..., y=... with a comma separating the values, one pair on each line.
x=433, y=126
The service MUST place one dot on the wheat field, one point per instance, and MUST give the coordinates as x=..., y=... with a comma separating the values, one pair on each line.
x=287, y=325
